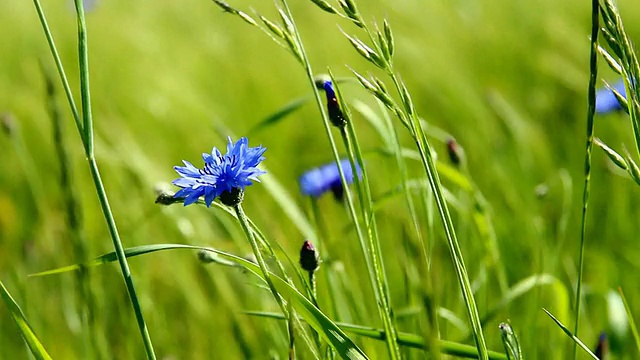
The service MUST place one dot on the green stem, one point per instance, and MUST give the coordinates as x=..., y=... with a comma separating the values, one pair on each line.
x=366, y=203
x=434, y=181
x=246, y=227
x=244, y=223
x=83, y=59
x=417, y=132
x=595, y=13
x=323, y=249
x=95, y=174
x=427, y=283
x=374, y=270
x=122, y=259
x=56, y=59
x=85, y=127
x=74, y=220
x=454, y=247
x=314, y=292
x=314, y=300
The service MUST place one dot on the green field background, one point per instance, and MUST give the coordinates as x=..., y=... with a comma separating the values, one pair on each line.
x=171, y=79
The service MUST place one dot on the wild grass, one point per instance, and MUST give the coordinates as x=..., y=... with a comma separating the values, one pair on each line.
x=437, y=251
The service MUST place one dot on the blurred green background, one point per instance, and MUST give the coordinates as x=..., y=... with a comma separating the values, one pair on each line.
x=170, y=80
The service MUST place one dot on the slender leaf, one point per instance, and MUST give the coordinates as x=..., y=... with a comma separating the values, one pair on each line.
x=570, y=334
x=26, y=331
x=632, y=323
x=280, y=114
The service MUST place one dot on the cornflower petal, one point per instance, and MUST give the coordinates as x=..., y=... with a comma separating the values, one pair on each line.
x=210, y=193
x=187, y=171
x=184, y=182
x=606, y=100
x=193, y=196
x=207, y=158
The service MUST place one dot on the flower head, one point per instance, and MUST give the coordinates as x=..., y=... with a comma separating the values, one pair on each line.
x=606, y=100
x=316, y=182
x=333, y=107
x=228, y=173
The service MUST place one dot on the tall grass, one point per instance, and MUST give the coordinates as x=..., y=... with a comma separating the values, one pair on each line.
x=506, y=80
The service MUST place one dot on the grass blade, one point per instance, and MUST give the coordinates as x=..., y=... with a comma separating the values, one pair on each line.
x=632, y=323
x=26, y=331
x=510, y=342
x=279, y=115
x=595, y=19
x=577, y=341
x=59, y=67
x=85, y=127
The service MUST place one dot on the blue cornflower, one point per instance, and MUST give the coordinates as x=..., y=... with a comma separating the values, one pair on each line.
x=228, y=173
x=606, y=101
x=333, y=107
x=316, y=182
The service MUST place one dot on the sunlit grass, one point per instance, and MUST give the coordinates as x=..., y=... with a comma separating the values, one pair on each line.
x=507, y=80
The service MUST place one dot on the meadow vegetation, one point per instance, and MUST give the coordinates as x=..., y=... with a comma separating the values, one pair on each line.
x=499, y=89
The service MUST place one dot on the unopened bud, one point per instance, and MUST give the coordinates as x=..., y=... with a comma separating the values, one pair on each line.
x=455, y=151
x=333, y=107
x=167, y=198
x=309, y=257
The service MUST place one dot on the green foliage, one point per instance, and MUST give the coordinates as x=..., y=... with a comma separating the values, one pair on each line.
x=507, y=80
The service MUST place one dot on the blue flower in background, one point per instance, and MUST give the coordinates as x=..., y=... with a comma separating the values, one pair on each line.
x=316, y=182
x=221, y=173
x=606, y=101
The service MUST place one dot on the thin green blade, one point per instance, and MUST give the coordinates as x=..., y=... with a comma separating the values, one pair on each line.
x=26, y=331
x=570, y=334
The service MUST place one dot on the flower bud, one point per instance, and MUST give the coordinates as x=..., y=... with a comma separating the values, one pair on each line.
x=166, y=198
x=309, y=257
x=333, y=107
x=454, y=151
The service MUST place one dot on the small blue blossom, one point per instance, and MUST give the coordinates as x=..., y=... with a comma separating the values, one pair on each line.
x=606, y=101
x=221, y=173
x=333, y=107
x=316, y=182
